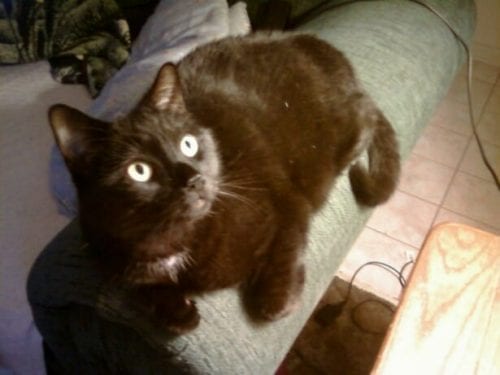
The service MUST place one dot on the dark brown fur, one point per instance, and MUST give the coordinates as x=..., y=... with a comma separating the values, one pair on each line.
x=287, y=116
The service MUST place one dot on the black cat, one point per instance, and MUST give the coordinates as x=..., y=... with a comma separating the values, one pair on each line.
x=210, y=182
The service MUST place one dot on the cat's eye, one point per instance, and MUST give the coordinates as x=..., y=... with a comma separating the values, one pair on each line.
x=189, y=146
x=139, y=171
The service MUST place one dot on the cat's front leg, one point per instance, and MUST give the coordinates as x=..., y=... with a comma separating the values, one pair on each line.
x=275, y=290
x=169, y=307
x=275, y=295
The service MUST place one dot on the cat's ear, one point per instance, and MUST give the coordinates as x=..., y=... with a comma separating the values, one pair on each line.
x=74, y=131
x=166, y=93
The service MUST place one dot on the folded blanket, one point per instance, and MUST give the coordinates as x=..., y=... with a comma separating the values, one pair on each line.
x=85, y=41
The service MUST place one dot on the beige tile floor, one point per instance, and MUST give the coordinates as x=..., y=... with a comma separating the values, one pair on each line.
x=443, y=179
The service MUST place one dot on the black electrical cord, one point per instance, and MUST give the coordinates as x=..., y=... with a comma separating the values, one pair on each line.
x=328, y=313
x=469, y=91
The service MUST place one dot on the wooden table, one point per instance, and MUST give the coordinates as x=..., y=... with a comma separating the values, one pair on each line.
x=448, y=321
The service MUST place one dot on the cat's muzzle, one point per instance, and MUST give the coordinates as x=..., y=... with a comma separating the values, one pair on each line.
x=199, y=195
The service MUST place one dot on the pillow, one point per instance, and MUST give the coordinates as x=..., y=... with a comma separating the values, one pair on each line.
x=173, y=30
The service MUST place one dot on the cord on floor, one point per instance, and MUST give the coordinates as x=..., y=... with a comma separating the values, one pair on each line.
x=327, y=314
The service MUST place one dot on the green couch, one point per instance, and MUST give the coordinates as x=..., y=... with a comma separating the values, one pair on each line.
x=406, y=58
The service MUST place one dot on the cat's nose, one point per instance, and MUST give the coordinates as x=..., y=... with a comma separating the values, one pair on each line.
x=183, y=174
x=196, y=182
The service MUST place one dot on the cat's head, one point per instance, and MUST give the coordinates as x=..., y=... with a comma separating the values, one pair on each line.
x=142, y=180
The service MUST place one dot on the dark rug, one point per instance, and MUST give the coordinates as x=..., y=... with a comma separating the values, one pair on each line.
x=341, y=338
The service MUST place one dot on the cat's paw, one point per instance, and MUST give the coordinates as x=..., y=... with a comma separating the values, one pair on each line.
x=274, y=300
x=168, y=308
x=179, y=319
x=274, y=310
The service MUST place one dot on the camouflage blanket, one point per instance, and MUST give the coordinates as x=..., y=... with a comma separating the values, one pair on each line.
x=85, y=41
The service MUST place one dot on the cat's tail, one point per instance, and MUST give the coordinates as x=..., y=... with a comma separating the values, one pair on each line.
x=375, y=184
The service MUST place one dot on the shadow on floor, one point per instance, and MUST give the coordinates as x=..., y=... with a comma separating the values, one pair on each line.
x=345, y=344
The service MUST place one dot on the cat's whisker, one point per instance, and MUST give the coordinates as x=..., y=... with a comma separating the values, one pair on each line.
x=235, y=160
x=242, y=181
x=241, y=187
x=233, y=177
x=234, y=195
x=188, y=259
x=248, y=202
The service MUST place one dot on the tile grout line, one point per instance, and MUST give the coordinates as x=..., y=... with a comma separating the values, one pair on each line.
x=497, y=80
x=484, y=179
x=449, y=129
x=413, y=195
x=482, y=80
x=448, y=188
x=435, y=161
x=470, y=139
x=472, y=219
x=473, y=139
x=463, y=76
x=482, y=108
x=466, y=104
x=463, y=73
x=396, y=239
